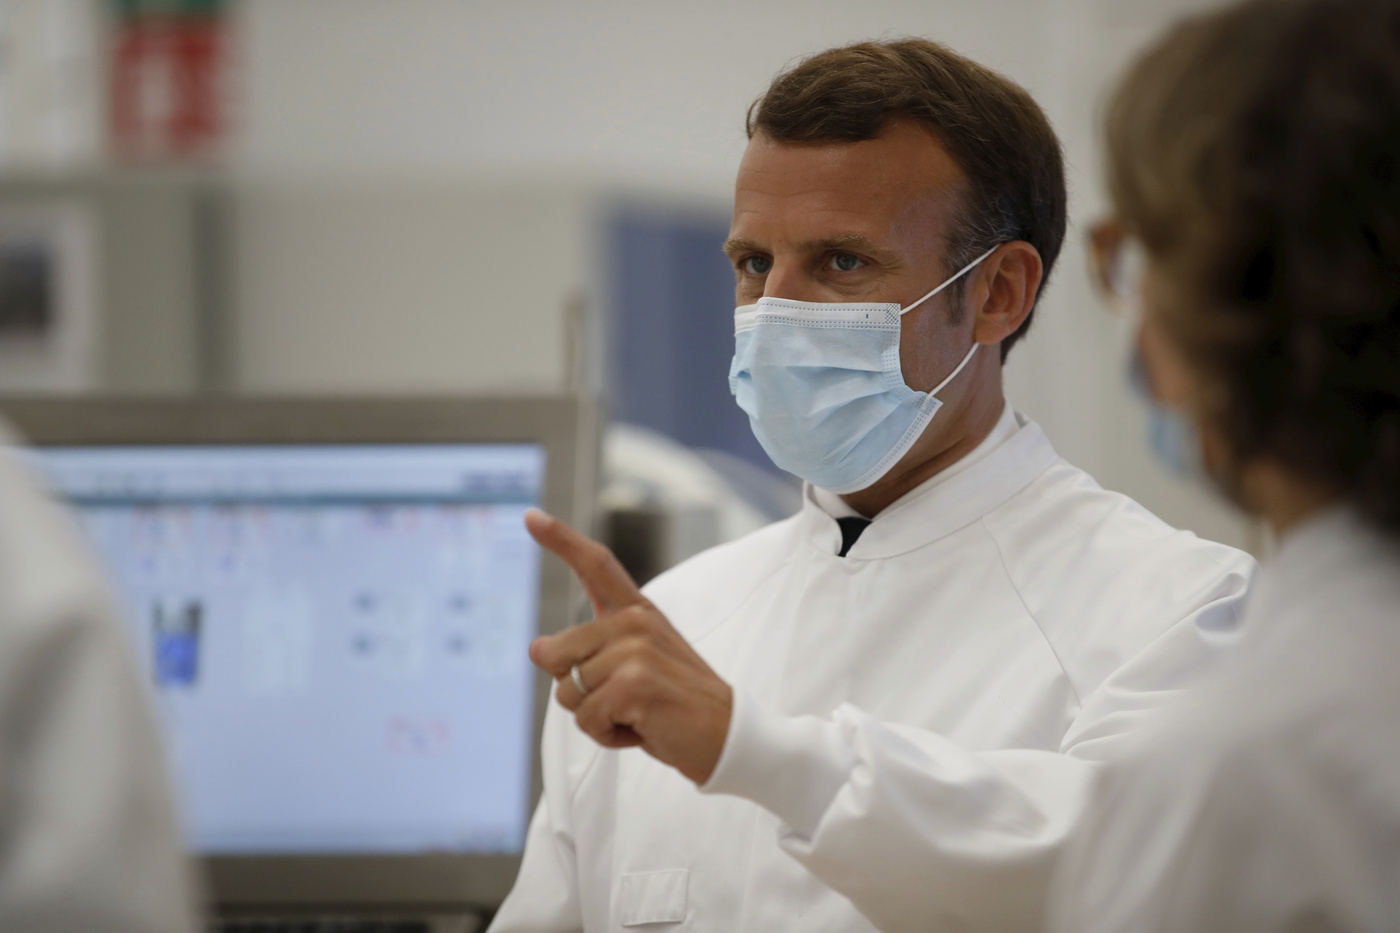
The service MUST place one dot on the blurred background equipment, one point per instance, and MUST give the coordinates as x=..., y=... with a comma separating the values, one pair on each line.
x=331, y=602
x=663, y=502
x=112, y=281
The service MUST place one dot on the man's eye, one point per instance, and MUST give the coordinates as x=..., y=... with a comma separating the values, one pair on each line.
x=757, y=265
x=846, y=262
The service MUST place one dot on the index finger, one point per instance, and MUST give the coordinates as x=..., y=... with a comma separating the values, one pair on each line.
x=604, y=580
x=555, y=654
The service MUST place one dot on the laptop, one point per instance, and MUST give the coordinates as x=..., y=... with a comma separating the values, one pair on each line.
x=331, y=602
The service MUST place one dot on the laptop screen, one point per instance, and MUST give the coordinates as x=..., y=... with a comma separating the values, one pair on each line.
x=334, y=635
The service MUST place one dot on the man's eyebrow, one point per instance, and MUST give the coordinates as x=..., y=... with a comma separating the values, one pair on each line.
x=854, y=242
x=739, y=245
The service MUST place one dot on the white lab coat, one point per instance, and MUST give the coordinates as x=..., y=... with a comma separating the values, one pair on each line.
x=915, y=724
x=88, y=840
x=1270, y=800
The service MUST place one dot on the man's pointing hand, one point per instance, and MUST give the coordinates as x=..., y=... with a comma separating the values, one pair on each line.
x=644, y=684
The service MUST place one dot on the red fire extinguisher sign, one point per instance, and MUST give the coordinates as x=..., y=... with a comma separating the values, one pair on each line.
x=167, y=88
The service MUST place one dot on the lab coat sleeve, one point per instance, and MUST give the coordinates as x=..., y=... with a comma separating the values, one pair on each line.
x=1254, y=837
x=918, y=833
x=545, y=898
x=921, y=833
x=88, y=838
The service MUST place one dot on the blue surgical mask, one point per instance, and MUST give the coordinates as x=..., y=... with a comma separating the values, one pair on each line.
x=1171, y=435
x=823, y=389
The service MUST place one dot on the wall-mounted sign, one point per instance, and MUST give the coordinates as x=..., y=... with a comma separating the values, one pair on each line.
x=168, y=80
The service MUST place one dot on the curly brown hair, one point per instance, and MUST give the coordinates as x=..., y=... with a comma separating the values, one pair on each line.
x=1255, y=152
x=991, y=126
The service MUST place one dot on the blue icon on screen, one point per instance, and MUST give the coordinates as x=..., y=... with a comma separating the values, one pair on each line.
x=176, y=625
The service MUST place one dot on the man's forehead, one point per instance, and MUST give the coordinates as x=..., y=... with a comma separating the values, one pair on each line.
x=906, y=154
x=855, y=189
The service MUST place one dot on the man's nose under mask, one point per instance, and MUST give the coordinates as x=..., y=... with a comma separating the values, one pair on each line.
x=823, y=389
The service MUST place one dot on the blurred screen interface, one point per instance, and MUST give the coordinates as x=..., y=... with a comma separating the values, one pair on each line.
x=335, y=636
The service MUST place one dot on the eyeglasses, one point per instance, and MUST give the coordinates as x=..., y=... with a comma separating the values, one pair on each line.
x=1116, y=263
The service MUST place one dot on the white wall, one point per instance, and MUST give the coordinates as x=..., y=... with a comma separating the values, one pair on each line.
x=489, y=100
x=429, y=286
x=628, y=88
x=50, y=110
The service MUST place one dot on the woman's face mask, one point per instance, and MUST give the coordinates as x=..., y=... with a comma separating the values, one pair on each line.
x=1120, y=264
x=1173, y=437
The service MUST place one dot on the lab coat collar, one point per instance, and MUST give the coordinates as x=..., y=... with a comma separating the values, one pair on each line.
x=928, y=514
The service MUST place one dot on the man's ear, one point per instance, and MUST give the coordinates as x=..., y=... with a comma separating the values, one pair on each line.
x=1009, y=280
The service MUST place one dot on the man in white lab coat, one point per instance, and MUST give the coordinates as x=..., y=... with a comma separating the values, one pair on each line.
x=88, y=840
x=884, y=711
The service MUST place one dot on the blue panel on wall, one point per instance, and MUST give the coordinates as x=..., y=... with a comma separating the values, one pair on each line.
x=672, y=330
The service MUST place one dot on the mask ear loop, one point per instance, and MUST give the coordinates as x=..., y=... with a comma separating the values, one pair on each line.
x=961, y=272
x=976, y=346
x=954, y=374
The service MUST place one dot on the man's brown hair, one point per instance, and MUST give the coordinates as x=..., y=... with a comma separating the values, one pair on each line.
x=990, y=125
x=1255, y=152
